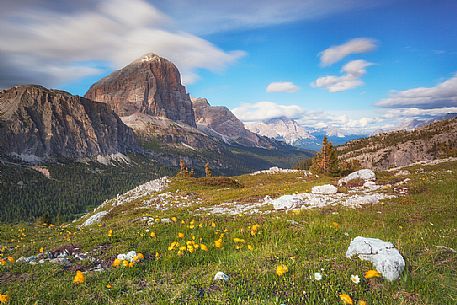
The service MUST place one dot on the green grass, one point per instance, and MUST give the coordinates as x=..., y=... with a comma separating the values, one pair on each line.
x=422, y=225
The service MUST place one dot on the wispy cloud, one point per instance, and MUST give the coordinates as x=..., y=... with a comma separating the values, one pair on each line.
x=354, y=46
x=353, y=71
x=218, y=16
x=442, y=95
x=40, y=45
x=289, y=87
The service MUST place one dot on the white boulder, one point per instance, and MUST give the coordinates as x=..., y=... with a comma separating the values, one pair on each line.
x=324, y=189
x=384, y=256
x=221, y=276
x=364, y=174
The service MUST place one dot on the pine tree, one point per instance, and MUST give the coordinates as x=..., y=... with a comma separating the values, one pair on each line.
x=208, y=171
x=326, y=161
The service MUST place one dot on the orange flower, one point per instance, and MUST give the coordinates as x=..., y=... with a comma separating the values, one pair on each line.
x=346, y=299
x=79, y=278
x=372, y=274
x=116, y=263
x=4, y=298
x=10, y=259
x=180, y=235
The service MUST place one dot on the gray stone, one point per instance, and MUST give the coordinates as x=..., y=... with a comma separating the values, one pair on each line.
x=385, y=257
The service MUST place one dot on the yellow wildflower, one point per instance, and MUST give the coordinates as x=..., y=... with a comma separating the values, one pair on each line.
x=204, y=247
x=218, y=243
x=180, y=235
x=213, y=224
x=140, y=255
x=116, y=263
x=174, y=219
x=362, y=302
x=2, y=262
x=254, y=229
x=110, y=233
x=109, y=286
x=131, y=264
x=153, y=234
x=4, y=298
x=157, y=255
x=125, y=263
x=239, y=240
x=41, y=250
x=79, y=278
x=346, y=299
x=281, y=270
x=372, y=274
x=250, y=247
x=335, y=225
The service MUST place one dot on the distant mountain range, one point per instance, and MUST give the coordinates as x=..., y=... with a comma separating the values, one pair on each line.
x=291, y=132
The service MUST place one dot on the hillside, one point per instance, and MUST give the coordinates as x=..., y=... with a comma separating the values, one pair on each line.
x=275, y=238
x=434, y=141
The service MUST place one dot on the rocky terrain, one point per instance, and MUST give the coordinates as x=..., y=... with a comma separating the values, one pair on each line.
x=434, y=141
x=150, y=85
x=276, y=236
x=38, y=124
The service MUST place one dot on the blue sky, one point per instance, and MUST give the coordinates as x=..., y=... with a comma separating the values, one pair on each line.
x=230, y=52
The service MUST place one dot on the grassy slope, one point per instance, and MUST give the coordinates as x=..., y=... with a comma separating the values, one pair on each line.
x=422, y=225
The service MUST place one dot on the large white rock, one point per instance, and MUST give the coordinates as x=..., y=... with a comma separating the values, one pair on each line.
x=286, y=202
x=384, y=256
x=364, y=174
x=324, y=189
x=95, y=218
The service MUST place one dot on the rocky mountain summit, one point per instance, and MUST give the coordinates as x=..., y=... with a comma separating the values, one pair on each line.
x=434, y=141
x=221, y=122
x=150, y=85
x=40, y=124
x=283, y=129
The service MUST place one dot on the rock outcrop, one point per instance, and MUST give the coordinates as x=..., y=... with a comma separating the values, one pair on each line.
x=220, y=122
x=38, y=124
x=150, y=85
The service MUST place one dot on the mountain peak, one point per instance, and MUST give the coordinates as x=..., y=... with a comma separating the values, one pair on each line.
x=151, y=84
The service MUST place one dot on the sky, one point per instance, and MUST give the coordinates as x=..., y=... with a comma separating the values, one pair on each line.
x=357, y=65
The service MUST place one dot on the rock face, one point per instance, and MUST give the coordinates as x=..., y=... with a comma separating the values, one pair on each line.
x=150, y=85
x=400, y=148
x=384, y=256
x=39, y=124
x=219, y=121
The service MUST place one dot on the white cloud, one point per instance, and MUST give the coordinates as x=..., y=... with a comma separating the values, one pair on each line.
x=111, y=33
x=282, y=87
x=353, y=70
x=266, y=110
x=354, y=46
x=440, y=96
